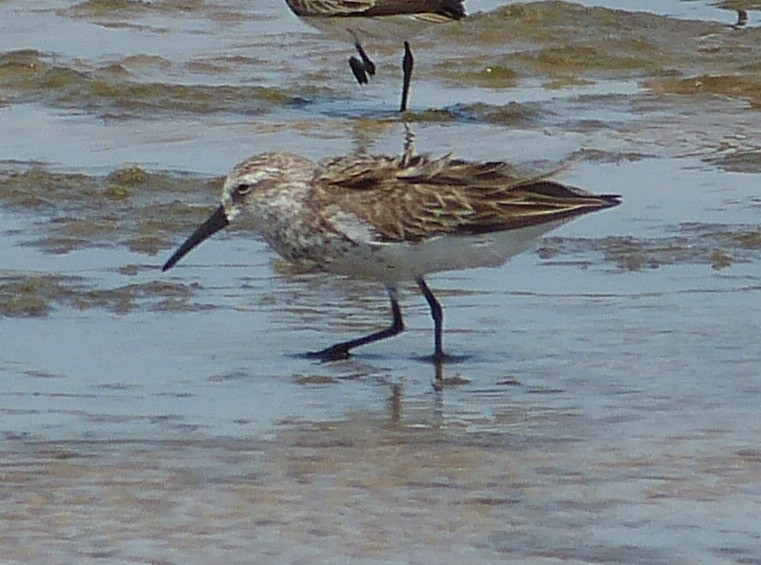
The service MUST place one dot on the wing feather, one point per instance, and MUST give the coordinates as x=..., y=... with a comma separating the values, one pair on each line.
x=418, y=198
x=438, y=10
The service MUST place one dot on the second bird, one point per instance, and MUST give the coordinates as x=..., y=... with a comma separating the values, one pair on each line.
x=356, y=20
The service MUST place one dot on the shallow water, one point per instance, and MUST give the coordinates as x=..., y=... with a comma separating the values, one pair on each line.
x=608, y=401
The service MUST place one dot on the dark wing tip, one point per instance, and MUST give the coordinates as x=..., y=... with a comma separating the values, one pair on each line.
x=559, y=190
x=457, y=10
x=611, y=199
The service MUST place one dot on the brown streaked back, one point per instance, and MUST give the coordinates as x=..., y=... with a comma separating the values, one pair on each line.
x=418, y=198
x=449, y=9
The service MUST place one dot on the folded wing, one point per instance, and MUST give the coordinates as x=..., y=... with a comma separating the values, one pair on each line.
x=418, y=198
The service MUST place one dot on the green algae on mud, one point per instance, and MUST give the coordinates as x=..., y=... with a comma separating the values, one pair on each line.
x=112, y=8
x=567, y=44
x=35, y=295
x=127, y=13
x=557, y=40
x=739, y=161
x=739, y=4
x=716, y=245
x=128, y=206
x=108, y=7
x=28, y=76
x=509, y=114
x=743, y=87
x=470, y=72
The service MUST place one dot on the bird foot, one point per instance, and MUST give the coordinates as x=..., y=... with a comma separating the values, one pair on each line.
x=361, y=70
x=360, y=73
x=332, y=353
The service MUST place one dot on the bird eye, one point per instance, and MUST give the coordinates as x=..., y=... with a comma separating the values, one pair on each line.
x=243, y=188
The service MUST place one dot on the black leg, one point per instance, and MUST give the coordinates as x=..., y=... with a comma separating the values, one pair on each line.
x=358, y=69
x=361, y=68
x=341, y=350
x=407, y=63
x=438, y=319
x=369, y=65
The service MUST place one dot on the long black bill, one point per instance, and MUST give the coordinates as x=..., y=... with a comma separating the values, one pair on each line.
x=216, y=222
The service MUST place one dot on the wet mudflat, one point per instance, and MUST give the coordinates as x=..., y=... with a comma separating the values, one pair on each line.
x=608, y=405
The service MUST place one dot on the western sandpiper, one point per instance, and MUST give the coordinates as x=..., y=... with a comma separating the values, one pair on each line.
x=356, y=20
x=392, y=219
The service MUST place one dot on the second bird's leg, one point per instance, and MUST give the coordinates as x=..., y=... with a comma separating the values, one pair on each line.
x=341, y=350
x=361, y=68
x=407, y=63
x=438, y=320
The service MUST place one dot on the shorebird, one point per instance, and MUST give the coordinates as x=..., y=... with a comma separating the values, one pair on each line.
x=392, y=219
x=355, y=20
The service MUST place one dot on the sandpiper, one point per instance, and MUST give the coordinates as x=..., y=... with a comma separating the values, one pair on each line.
x=355, y=20
x=392, y=219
